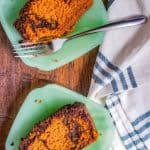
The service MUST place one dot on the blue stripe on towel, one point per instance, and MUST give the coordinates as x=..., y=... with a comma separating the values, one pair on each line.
x=129, y=135
x=114, y=86
x=113, y=102
x=102, y=71
x=114, y=68
x=143, y=128
x=123, y=80
x=139, y=131
x=146, y=137
x=110, y=3
x=136, y=142
x=98, y=80
x=108, y=76
x=135, y=134
x=131, y=77
x=141, y=118
x=112, y=105
x=130, y=145
x=108, y=63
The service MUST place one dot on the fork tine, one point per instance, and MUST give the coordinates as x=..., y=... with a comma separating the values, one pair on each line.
x=18, y=44
x=31, y=43
x=27, y=51
x=29, y=48
x=38, y=53
x=24, y=56
x=27, y=43
x=32, y=51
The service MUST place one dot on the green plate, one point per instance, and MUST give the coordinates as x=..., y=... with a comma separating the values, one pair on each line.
x=94, y=17
x=42, y=102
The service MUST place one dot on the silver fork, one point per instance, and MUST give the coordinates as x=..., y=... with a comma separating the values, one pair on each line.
x=30, y=49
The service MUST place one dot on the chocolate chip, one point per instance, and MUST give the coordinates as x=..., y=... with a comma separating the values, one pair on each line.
x=20, y=41
x=67, y=1
x=38, y=101
x=12, y=144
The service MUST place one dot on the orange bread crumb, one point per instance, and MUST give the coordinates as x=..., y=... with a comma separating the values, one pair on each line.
x=48, y=19
x=70, y=128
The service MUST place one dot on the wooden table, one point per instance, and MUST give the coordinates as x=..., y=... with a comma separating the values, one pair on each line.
x=17, y=80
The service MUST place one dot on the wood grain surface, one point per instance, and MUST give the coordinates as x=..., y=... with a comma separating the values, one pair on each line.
x=17, y=80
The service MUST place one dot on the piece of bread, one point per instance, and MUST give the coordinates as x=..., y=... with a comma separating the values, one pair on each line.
x=70, y=128
x=47, y=19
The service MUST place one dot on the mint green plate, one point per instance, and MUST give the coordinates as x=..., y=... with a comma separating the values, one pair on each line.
x=94, y=17
x=42, y=102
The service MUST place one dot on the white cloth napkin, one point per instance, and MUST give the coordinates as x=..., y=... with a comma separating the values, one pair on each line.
x=121, y=77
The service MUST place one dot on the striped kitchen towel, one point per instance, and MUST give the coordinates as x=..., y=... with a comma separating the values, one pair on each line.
x=121, y=76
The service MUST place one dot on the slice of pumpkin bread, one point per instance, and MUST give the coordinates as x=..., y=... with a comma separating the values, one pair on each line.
x=70, y=128
x=47, y=19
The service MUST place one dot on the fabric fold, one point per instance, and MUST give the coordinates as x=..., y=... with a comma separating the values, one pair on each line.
x=121, y=76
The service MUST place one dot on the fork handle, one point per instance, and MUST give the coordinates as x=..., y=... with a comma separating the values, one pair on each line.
x=127, y=22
